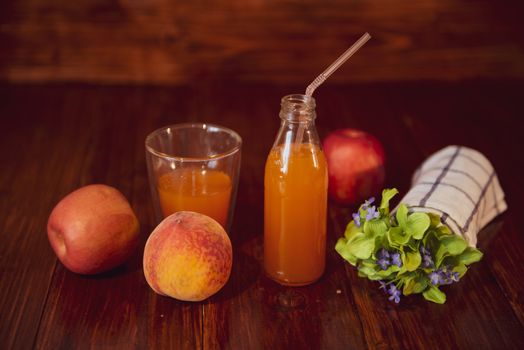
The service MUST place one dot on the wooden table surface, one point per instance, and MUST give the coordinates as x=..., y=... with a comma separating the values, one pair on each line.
x=56, y=138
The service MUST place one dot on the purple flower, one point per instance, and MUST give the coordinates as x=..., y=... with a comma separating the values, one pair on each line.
x=434, y=277
x=448, y=276
x=395, y=259
x=383, y=263
x=371, y=213
x=383, y=254
x=387, y=258
x=356, y=219
x=443, y=276
x=445, y=281
x=394, y=293
x=454, y=276
x=383, y=286
x=368, y=202
x=383, y=259
x=427, y=261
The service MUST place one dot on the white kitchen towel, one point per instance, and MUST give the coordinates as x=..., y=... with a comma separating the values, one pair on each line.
x=460, y=185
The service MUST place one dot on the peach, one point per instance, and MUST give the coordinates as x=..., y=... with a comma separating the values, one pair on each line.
x=188, y=257
x=355, y=165
x=93, y=229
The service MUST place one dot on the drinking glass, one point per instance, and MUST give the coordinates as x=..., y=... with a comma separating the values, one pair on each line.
x=194, y=167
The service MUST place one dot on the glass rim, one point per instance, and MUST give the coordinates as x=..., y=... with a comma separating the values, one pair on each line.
x=203, y=126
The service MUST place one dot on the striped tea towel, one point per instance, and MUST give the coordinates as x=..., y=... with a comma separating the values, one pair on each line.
x=460, y=185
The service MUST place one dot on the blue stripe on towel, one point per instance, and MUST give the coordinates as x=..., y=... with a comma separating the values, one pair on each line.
x=466, y=225
x=440, y=177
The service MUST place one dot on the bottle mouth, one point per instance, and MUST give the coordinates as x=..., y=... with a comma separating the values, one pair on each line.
x=298, y=101
x=297, y=107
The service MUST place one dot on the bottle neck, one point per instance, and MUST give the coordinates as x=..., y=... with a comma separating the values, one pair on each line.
x=298, y=109
x=298, y=115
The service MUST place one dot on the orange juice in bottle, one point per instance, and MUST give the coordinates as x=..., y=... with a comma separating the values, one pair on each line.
x=295, y=197
x=204, y=191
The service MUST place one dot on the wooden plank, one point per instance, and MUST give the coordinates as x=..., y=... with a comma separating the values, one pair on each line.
x=31, y=141
x=485, y=118
x=166, y=42
x=412, y=324
x=115, y=309
x=96, y=134
x=369, y=109
x=379, y=323
x=254, y=312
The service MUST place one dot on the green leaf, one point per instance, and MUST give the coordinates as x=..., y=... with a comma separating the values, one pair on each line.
x=411, y=260
x=342, y=248
x=366, y=270
x=402, y=215
x=470, y=255
x=434, y=220
x=387, y=194
x=409, y=284
x=375, y=228
x=420, y=284
x=361, y=246
x=435, y=295
x=454, y=244
x=351, y=231
x=389, y=271
x=443, y=230
x=413, y=244
x=397, y=237
x=441, y=253
x=461, y=269
x=368, y=262
x=375, y=277
x=386, y=244
x=430, y=238
x=389, y=236
x=381, y=242
x=417, y=224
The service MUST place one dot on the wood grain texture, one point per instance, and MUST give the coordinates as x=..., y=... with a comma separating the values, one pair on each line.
x=28, y=190
x=494, y=126
x=177, y=42
x=59, y=137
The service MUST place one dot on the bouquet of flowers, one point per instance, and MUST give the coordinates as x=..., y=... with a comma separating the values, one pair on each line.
x=407, y=252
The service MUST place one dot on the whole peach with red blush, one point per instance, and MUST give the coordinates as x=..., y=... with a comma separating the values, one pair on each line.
x=188, y=257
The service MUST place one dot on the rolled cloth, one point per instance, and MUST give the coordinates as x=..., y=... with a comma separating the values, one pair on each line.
x=460, y=185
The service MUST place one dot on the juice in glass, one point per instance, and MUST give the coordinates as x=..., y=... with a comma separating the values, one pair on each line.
x=295, y=208
x=203, y=191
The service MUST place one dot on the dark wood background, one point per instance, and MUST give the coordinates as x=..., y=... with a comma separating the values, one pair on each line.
x=83, y=82
x=166, y=42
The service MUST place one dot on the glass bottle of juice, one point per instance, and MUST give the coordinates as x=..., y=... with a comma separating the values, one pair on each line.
x=295, y=197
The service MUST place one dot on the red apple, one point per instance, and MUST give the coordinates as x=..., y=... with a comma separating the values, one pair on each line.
x=355, y=165
x=93, y=229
